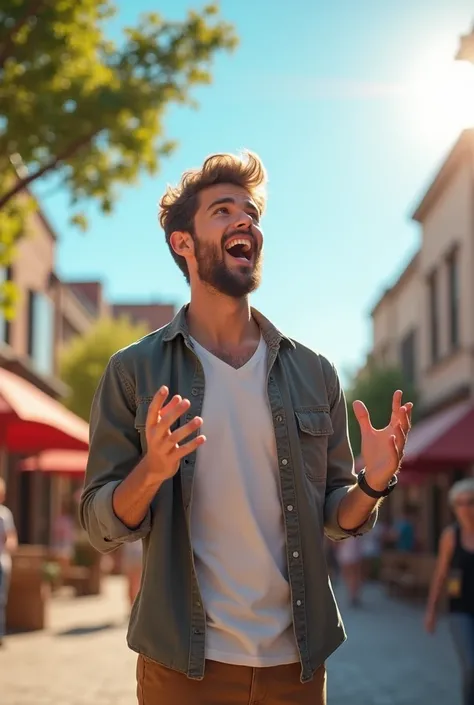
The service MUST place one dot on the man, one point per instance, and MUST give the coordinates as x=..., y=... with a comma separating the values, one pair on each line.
x=235, y=606
x=8, y=544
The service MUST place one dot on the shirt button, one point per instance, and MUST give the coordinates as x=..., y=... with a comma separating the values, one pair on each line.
x=194, y=392
x=295, y=554
x=298, y=602
x=290, y=507
x=284, y=461
x=279, y=418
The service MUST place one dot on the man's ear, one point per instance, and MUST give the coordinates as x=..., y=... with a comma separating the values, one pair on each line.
x=182, y=243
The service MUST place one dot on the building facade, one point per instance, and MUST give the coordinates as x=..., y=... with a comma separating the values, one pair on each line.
x=424, y=324
x=50, y=312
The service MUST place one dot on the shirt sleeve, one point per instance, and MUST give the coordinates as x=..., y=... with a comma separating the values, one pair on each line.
x=341, y=476
x=114, y=452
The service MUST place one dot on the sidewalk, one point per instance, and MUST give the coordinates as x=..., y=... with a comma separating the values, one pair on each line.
x=83, y=658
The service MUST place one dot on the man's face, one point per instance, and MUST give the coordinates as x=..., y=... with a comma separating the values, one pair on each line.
x=228, y=240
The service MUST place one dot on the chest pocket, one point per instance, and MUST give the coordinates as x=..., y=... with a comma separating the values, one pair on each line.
x=314, y=429
x=140, y=422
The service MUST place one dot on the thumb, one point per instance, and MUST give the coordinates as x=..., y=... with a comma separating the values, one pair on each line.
x=362, y=415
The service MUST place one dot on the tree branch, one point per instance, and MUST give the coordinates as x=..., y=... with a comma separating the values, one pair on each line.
x=5, y=50
x=49, y=166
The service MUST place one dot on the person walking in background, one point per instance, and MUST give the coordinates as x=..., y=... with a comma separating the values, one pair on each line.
x=235, y=603
x=64, y=535
x=132, y=560
x=349, y=557
x=455, y=569
x=372, y=546
x=8, y=544
x=404, y=531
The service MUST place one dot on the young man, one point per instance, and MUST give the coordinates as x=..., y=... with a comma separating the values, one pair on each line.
x=235, y=606
x=8, y=544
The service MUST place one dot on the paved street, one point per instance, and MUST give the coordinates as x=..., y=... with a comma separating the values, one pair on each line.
x=83, y=660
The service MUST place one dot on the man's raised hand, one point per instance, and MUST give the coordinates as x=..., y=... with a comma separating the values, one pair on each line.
x=164, y=450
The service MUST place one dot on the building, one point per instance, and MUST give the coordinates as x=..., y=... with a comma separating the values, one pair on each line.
x=424, y=324
x=50, y=312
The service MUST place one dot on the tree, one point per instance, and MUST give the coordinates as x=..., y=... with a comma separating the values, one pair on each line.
x=84, y=359
x=375, y=386
x=89, y=112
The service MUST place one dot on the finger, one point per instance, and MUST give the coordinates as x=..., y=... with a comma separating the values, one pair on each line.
x=397, y=401
x=405, y=422
x=156, y=406
x=181, y=451
x=169, y=406
x=184, y=431
x=362, y=415
x=400, y=437
x=177, y=410
x=397, y=450
x=409, y=408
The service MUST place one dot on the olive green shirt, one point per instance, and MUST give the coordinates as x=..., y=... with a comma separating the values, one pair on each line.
x=316, y=468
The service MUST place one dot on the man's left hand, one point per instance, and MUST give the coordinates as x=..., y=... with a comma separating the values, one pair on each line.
x=382, y=449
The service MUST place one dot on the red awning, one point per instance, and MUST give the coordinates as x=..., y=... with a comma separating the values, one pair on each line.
x=439, y=442
x=31, y=421
x=443, y=440
x=61, y=462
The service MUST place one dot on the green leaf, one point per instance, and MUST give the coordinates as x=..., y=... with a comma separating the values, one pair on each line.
x=91, y=110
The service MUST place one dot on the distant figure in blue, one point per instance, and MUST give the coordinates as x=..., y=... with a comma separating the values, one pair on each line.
x=404, y=531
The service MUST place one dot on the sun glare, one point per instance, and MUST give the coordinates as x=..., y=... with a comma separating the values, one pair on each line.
x=440, y=99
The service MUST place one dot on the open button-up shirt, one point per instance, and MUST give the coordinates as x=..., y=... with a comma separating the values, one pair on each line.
x=168, y=621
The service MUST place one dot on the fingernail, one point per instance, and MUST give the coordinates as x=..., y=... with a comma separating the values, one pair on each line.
x=163, y=390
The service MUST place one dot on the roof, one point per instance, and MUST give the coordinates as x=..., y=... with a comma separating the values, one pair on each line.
x=462, y=149
x=402, y=279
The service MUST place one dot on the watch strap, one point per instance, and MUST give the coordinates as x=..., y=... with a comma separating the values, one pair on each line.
x=368, y=490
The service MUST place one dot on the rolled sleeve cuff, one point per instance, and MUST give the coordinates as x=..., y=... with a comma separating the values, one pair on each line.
x=112, y=528
x=331, y=524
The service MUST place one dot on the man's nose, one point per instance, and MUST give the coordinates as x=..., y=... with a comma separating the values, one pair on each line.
x=244, y=221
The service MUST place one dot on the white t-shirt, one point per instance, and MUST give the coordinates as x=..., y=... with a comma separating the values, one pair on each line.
x=237, y=527
x=7, y=524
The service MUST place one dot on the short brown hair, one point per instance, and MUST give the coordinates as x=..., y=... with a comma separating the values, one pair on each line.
x=179, y=204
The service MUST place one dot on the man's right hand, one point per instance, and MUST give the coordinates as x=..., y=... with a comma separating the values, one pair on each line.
x=164, y=450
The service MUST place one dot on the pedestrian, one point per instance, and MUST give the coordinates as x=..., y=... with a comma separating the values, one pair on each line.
x=349, y=557
x=8, y=544
x=404, y=530
x=455, y=569
x=132, y=558
x=235, y=604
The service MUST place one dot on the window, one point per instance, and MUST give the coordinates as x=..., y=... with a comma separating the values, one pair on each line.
x=41, y=332
x=6, y=274
x=408, y=357
x=454, y=296
x=433, y=316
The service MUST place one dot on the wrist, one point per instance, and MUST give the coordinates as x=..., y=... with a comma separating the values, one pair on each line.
x=148, y=476
x=376, y=483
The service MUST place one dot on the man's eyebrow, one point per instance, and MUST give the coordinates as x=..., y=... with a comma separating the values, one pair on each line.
x=229, y=199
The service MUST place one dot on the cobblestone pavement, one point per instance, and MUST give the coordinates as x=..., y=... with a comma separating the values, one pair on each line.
x=82, y=659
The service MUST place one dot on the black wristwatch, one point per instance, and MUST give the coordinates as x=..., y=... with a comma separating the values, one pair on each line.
x=365, y=487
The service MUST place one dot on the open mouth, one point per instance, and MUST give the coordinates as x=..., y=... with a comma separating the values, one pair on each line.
x=240, y=249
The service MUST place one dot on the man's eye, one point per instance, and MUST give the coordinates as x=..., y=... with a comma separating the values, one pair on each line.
x=256, y=217
x=222, y=209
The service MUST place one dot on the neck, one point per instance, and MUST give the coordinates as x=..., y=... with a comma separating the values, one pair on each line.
x=217, y=320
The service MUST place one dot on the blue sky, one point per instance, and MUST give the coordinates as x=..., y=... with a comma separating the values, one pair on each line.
x=352, y=106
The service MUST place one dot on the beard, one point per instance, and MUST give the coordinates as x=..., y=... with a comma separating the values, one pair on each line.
x=213, y=270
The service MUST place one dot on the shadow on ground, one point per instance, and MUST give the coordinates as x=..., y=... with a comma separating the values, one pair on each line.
x=87, y=629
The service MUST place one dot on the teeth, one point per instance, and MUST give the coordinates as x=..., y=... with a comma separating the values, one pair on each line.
x=236, y=241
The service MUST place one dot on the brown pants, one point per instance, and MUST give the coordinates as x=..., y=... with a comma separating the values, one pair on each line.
x=229, y=685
